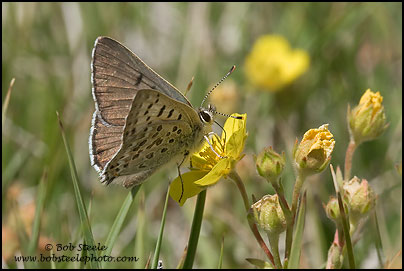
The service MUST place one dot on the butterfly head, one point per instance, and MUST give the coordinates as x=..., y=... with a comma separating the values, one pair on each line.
x=207, y=114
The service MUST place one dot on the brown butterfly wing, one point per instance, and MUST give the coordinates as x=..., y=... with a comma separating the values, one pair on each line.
x=117, y=75
x=158, y=130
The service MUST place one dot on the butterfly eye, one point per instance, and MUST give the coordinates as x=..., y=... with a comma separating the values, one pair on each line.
x=205, y=116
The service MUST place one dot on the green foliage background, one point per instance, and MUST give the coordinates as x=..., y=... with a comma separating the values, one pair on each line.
x=47, y=48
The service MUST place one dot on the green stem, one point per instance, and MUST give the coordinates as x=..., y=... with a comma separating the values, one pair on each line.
x=283, y=202
x=296, y=192
x=348, y=159
x=236, y=178
x=345, y=227
x=295, y=198
x=240, y=185
x=195, y=230
x=274, y=243
x=378, y=239
x=160, y=238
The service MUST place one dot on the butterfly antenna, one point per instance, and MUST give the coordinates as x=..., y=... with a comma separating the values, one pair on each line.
x=227, y=115
x=218, y=83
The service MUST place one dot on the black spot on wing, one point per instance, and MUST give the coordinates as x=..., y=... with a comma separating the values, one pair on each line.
x=161, y=110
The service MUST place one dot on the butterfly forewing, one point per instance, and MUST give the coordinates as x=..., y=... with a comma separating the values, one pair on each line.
x=158, y=130
x=117, y=75
x=105, y=141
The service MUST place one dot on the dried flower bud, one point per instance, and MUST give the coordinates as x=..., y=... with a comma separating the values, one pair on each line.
x=367, y=120
x=268, y=215
x=360, y=198
x=270, y=164
x=313, y=153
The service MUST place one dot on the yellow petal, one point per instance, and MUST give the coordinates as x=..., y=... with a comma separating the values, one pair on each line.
x=371, y=99
x=199, y=162
x=190, y=188
x=221, y=169
x=205, y=158
x=235, y=135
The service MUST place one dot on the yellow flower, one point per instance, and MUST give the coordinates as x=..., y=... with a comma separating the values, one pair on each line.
x=207, y=167
x=314, y=151
x=272, y=64
x=367, y=120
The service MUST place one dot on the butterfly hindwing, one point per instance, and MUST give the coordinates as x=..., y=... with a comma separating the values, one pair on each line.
x=158, y=130
x=104, y=142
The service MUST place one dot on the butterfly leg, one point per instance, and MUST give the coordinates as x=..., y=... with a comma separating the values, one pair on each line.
x=186, y=153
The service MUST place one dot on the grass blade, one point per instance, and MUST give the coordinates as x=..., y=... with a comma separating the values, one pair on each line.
x=297, y=238
x=85, y=223
x=182, y=259
x=120, y=218
x=347, y=236
x=53, y=264
x=378, y=239
x=141, y=232
x=147, y=265
x=260, y=263
x=22, y=236
x=195, y=230
x=6, y=102
x=221, y=254
x=33, y=242
x=160, y=237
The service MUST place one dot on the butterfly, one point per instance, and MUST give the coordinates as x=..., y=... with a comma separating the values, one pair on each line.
x=141, y=122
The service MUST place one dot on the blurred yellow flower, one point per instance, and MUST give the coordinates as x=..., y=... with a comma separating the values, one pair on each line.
x=207, y=167
x=272, y=64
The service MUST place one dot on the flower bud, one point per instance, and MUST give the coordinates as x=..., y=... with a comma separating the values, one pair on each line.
x=360, y=198
x=313, y=153
x=367, y=120
x=332, y=210
x=268, y=215
x=270, y=164
x=335, y=257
